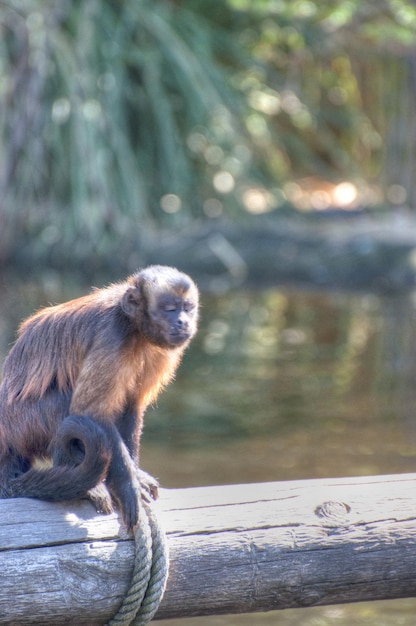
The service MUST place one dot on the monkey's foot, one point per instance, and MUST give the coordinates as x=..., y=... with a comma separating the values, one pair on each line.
x=149, y=485
x=101, y=499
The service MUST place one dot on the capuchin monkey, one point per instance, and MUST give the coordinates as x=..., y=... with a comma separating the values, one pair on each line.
x=76, y=385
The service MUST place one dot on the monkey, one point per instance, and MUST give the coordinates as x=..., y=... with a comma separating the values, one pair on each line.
x=77, y=382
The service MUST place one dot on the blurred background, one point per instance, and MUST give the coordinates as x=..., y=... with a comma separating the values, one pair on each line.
x=268, y=148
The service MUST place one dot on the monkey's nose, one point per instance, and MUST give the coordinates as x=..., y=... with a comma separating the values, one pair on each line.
x=181, y=323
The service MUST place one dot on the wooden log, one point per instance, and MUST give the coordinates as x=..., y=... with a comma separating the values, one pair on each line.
x=236, y=548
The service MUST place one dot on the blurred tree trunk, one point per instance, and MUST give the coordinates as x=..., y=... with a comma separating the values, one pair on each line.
x=399, y=163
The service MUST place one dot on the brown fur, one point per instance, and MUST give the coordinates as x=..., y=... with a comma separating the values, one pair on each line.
x=105, y=356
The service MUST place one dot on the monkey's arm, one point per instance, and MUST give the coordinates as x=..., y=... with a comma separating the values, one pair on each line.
x=122, y=479
x=130, y=428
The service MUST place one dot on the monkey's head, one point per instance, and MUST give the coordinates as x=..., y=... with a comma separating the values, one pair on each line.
x=163, y=303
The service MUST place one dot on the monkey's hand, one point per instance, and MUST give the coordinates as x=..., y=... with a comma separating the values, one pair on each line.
x=141, y=486
x=149, y=485
x=128, y=496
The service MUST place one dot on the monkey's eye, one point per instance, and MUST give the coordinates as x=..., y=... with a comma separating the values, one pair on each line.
x=188, y=306
x=169, y=307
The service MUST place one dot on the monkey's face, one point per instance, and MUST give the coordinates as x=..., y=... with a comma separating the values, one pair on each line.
x=164, y=305
x=174, y=320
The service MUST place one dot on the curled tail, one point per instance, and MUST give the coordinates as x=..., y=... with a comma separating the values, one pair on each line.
x=81, y=458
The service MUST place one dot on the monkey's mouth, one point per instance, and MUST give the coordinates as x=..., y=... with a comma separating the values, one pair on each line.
x=178, y=338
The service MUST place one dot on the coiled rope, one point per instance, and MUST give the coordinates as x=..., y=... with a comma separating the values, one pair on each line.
x=150, y=572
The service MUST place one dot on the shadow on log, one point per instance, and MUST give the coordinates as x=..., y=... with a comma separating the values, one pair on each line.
x=234, y=549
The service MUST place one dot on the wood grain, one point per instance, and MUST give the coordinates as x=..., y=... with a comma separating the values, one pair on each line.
x=234, y=548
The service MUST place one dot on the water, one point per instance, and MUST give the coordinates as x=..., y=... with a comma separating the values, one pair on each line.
x=279, y=385
x=288, y=385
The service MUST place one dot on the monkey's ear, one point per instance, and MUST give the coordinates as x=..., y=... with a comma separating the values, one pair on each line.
x=130, y=301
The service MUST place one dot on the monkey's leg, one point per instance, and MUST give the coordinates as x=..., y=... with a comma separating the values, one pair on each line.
x=10, y=468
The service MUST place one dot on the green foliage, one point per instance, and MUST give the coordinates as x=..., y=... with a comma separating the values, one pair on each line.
x=101, y=99
x=319, y=62
x=120, y=115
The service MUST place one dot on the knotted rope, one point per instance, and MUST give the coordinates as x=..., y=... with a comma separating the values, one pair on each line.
x=150, y=572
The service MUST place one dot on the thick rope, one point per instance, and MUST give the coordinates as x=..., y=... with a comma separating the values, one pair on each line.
x=150, y=572
x=158, y=573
